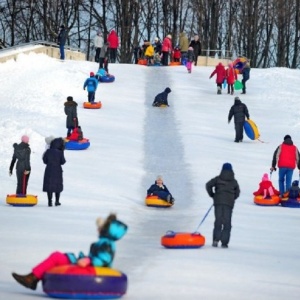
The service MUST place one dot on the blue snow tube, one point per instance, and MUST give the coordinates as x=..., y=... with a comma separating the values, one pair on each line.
x=251, y=130
x=110, y=78
x=77, y=145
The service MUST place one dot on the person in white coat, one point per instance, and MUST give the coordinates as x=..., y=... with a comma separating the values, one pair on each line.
x=98, y=44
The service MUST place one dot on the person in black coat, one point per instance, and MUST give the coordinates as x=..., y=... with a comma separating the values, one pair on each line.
x=160, y=190
x=53, y=178
x=224, y=189
x=71, y=112
x=162, y=98
x=195, y=43
x=239, y=111
x=61, y=40
x=21, y=154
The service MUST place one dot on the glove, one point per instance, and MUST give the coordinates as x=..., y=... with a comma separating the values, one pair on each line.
x=83, y=262
x=209, y=77
x=26, y=172
x=272, y=169
x=10, y=172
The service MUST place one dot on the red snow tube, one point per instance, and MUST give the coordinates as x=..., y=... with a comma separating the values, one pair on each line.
x=179, y=240
x=271, y=201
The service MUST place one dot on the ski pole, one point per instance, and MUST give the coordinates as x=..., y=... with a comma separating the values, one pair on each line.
x=204, y=217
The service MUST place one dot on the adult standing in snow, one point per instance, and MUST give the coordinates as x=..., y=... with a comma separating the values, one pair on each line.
x=183, y=44
x=166, y=49
x=224, y=189
x=240, y=112
x=98, y=44
x=53, y=177
x=286, y=156
x=246, y=76
x=61, y=40
x=71, y=112
x=157, y=46
x=21, y=154
x=113, y=41
x=195, y=43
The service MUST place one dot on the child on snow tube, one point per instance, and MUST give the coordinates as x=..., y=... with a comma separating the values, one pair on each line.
x=294, y=192
x=76, y=135
x=266, y=188
x=101, y=253
x=160, y=190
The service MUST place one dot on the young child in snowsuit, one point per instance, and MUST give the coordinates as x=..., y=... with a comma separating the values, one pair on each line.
x=294, y=191
x=266, y=188
x=91, y=83
x=190, y=57
x=76, y=135
x=231, y=77
x=160, y=190
x=221, y=75
x=176, y=54
x=149, y=53
x=71, y=112
x=21, y=154
x=101, y=253
x=100, y=73
x=162, y=98
x=224, y=189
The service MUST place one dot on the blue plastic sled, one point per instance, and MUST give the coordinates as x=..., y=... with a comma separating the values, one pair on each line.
x=77, y=145
x=224, y=84
x=251, y=130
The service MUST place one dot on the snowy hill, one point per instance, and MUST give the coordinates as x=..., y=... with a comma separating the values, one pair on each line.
x=132, y=143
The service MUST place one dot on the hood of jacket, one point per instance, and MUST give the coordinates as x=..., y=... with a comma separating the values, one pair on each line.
x=58, y=144
x=227, y=175
x=71, y=103
x=19, y=149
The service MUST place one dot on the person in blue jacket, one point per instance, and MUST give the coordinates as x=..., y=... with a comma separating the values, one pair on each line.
x=101, y=253
x=91, y=84
x=246, y=76
x=160, y=190
x=162, y=98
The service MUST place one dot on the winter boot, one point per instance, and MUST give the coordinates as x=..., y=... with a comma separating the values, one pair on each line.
x=57, y=203
x=219, y=91
x=49, y=202
x=215, y=244
x=30, y=281
x=224, y=246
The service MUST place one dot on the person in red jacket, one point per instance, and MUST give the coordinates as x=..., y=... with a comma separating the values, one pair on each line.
x=221, y=75
x=266, y=188
x=76, y=135
x=166, y=49
x=113, y=41
x=176, y=54
x=286, y=156
x=231, y=77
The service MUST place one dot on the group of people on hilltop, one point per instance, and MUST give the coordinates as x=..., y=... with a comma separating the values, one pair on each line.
x=106, y=50
x=159, y=52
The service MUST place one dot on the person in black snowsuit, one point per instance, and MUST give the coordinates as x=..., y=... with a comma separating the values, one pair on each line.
x=239, y=111
x=21, y=154
x=53, y=177
x=195, y=43
x=224, y=189
x=162, y=98
x=71, y=112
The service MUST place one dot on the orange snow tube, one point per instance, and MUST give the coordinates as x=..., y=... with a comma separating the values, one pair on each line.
x=179, y=240
x=154, y=201
x=273, y=200
x=175, y=63
x=142, y=62
x=92, y=105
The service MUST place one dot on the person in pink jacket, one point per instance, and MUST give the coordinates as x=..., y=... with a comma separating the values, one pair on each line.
x=221, y=75
x=231, y=77
x=166, y=49
x=113, y=41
